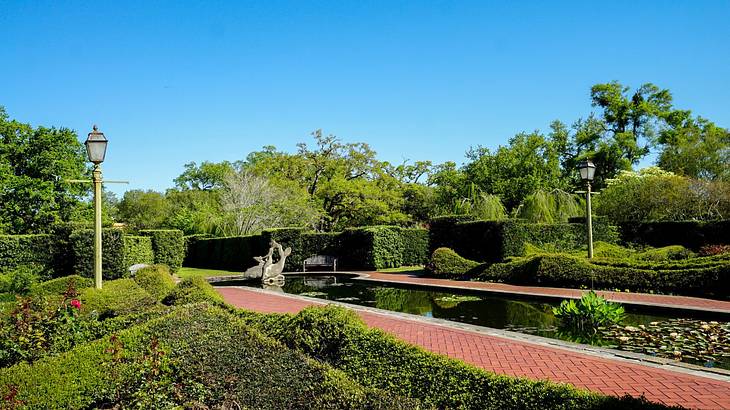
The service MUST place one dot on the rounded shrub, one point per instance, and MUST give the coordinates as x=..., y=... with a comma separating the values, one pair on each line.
x=59, y=285
x=192, y=290
x=156, y=280
x=446, y=262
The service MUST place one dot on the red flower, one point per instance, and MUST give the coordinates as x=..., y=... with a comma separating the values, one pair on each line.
x=76, y=303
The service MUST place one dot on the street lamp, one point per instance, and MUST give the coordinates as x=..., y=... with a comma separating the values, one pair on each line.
x=96, y=149
x=587, y=170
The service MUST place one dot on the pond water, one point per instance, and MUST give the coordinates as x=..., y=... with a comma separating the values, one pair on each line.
x=645, y=329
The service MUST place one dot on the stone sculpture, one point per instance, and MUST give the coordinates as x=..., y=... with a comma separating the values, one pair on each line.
x=268, y=270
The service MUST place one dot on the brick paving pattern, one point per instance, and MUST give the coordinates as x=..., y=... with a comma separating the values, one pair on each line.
x=623, y=297
x=517, y=358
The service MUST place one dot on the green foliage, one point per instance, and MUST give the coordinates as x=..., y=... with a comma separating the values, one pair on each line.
x=59, y=286
x=415, y=246
x=493, y=241
x=556, y=206
x=696, y=148
x=156, y=280
x=667, y=253
x=168, y=246
x=690, y=234
x=24, y=250
x=589, y=313
x=137, y=249
x=655, y=195
x=697, y=276
x=34, y=162
x=112, y=251
x=189, y=358
x=117, y=298
x=192, y=290
x=143, y=209
x=372, y=247
x=376, y=359
x=446, y=262
x=19, y=280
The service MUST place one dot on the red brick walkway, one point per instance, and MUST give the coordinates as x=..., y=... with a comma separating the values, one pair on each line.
x=684, y=302
x=518, y=358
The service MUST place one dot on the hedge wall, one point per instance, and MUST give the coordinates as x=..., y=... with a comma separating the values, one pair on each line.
x=18, y=250
x=372, y=247
x=493, y=241
x=112, y=250
x=137, y=249
x=168, y=246
x=415, y=246
x=376, y=359
x=690, y=234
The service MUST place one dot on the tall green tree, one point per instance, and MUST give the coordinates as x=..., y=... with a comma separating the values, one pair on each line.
x=34, y=164
x=695, y=147
x=143, y=209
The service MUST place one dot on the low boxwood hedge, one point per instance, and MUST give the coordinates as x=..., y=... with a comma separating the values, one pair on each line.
x=156, y=280
x=191, y=290
x=190, y=358
x=59, y=285
x=376, y=359
x=116, y=298
x=706, y=276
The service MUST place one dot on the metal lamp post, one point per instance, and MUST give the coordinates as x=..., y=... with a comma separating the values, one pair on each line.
x=96, y=149
x=587, y=171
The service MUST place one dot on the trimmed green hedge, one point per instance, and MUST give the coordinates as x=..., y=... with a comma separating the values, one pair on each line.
x=494, y=241
x=112, y=250
x=156, y=280
x=190, y=358
x=137, y=249
x=19, y=250
x=706, y=276
x=168, y=246
x=117, y=298
x=192, y=290
x=690, y=234
x=378, y=360
x=59, y=286
x=373, y=247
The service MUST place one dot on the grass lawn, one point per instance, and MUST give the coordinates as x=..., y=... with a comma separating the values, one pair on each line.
x=404, y=269
x=205, y=273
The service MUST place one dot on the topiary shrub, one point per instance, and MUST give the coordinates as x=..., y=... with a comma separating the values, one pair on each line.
x=168, y=246
x=156, y=280
x=116, y=298
x=667, y=253
x=112, y=247
x=138, y=249
x=191, y=290
x=447, y=263
x=59, y=285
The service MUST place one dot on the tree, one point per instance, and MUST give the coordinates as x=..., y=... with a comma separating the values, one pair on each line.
x=530, y=162
x=207, y=176
x=143, y=209
x=34, y=164
x=252, y=203
x=695, y=148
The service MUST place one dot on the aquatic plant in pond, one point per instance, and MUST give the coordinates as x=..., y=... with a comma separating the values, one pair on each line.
x=701, y=342
x=589, y=313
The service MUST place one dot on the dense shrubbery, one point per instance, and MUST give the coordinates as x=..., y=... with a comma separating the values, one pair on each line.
x=376, y=359
x=156, y=280
x=168, y=247
x=113, y=260
x=494, y=241
x=117, y=298
x=21, y=250
x=191, y=290
x=690, y=234
x=372, y=247
x=137, y=249
x=59, y=286
x=139, y=367
x=706, y=276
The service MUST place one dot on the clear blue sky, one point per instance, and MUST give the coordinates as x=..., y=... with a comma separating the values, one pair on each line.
x=173, y=82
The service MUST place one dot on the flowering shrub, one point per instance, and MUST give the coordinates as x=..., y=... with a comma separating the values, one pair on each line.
x=712, y=250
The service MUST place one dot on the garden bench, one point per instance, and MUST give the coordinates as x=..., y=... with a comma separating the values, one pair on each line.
x=320, y=261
